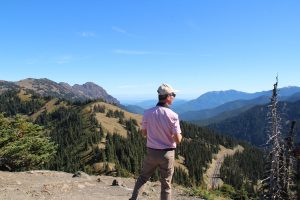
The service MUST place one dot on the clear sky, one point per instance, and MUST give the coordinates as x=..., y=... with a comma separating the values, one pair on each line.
x=130, y=47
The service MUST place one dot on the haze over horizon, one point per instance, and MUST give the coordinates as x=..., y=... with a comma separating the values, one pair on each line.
x=130, y=47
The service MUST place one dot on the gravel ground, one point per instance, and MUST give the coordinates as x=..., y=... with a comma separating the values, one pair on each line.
x=50, y=185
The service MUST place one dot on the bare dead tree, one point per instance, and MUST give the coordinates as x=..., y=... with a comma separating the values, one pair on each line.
x=279, y=171
x=273, y=183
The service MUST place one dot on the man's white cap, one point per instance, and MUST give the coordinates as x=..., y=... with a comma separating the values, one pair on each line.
x=165, y=89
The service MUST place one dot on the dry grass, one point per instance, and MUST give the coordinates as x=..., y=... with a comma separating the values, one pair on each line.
x=111, y=124
x=23, y=96
x=179, y=163
x=49, y=107
x=98, y=167
x=101, y=145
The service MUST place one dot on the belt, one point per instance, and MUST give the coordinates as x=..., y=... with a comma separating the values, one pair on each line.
x=168, y=149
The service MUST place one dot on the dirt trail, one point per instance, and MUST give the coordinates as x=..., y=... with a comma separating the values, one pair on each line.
x=212, y=175
x=50, y=185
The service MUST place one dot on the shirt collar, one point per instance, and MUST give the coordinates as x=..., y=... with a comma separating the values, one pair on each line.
x=162, y=104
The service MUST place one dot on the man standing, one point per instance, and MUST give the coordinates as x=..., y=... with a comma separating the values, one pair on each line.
x=161, y=127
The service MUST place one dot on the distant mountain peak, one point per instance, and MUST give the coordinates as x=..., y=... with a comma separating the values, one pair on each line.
x=90, y=83
x=94, y=91
x=47, y=87
x=64, y=83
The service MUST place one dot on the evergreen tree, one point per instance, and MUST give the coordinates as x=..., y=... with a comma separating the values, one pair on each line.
x=75, y=132
x=23, y=145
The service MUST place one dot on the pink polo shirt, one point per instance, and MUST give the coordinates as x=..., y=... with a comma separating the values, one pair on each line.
x=161, y=123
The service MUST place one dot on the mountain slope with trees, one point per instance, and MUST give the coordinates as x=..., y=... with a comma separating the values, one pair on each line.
x=85, y=143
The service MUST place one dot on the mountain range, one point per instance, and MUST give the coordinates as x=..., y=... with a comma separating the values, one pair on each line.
x=233, y=108
x=46, y=87
x=243, y=115
x=221, y=111
x=216, y=106
x=213, y=99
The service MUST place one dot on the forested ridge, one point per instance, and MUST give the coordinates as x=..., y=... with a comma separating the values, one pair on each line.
x=11, y=104
x=78, y=135
x=251, y=125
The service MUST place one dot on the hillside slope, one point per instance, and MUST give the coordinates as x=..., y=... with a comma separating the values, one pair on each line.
x=111, y=124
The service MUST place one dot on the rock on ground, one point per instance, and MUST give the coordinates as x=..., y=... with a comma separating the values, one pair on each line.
x=50, y=185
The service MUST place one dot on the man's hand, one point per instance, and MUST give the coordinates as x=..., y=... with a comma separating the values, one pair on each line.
x=177, y=138
x=144, y=131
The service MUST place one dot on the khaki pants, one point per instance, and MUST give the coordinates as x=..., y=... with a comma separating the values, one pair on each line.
x=165, y=161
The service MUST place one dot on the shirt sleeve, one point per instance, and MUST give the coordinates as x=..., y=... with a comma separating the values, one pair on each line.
x=175, y=124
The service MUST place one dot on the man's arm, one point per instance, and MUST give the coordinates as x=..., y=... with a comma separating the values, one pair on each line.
x=177, y=138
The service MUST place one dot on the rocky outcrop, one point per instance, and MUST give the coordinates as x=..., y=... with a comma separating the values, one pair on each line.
x=94, y=91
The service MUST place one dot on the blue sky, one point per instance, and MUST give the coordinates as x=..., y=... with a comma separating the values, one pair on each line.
x=130, y=47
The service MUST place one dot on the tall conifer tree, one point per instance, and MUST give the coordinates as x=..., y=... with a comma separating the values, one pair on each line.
x=278, y=172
